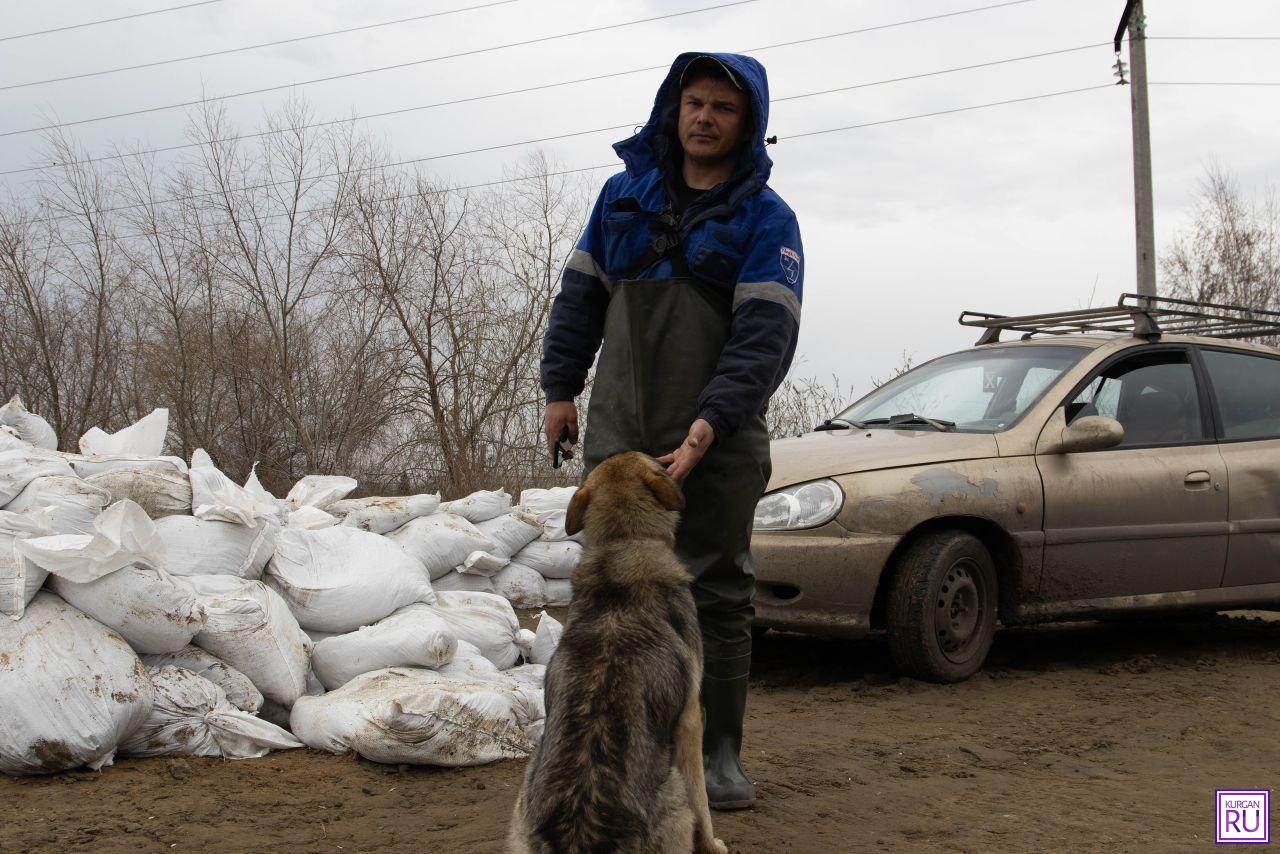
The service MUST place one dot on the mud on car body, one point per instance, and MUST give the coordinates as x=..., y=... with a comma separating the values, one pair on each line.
x=1061, y=477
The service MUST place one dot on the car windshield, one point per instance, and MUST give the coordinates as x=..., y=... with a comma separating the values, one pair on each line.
x=980, y=391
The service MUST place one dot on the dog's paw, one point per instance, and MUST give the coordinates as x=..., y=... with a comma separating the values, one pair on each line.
x=717, y=847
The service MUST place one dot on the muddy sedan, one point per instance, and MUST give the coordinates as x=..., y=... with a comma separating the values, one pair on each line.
x=1046, y=479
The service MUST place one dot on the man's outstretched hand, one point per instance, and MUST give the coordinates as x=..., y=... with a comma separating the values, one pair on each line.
x=560, y=414
x=682, y=460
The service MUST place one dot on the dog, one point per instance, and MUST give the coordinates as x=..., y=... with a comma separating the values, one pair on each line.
x=619, y=768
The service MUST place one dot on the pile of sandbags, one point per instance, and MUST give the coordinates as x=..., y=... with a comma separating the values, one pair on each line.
x=522, y=553
x=152, y=607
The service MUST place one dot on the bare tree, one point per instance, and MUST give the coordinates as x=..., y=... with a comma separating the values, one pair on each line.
x=1231, y=254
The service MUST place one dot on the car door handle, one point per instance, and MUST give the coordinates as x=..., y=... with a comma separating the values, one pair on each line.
x=1196, y=478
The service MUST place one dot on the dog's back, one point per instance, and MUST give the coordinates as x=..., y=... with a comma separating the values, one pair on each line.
x=603, y=778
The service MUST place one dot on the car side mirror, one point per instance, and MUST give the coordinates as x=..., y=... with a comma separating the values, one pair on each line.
x=1090, y=433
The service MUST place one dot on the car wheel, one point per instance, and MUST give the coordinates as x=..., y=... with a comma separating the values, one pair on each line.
x=941, y=609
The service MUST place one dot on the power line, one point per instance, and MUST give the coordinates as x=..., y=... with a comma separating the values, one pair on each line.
x=1213, y=38
x=942, y=71
x=571, y=134
x=1212, y=83
x=805, y=134
x=525, y=90
x=232, y=50
x=350, y=74
x=950, y=111
x=107, y=20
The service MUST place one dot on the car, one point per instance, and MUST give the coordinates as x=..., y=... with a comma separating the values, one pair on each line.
x=1110, y=461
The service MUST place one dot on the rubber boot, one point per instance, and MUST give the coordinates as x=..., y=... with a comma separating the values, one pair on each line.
x=724, y=700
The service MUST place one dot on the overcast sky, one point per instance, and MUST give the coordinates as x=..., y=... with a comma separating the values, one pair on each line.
x=1013, y=209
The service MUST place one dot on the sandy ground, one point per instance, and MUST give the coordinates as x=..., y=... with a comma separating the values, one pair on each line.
x=1077, y=737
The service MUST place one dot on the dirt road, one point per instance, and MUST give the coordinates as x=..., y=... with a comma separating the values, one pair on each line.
x=1077, y=737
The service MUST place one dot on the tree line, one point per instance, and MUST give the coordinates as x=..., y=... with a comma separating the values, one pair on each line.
x=297, y=300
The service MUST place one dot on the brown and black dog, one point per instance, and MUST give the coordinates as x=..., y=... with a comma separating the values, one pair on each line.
x=619, y=768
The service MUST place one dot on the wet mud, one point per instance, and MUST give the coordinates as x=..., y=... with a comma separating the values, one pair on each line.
x=1085, y=736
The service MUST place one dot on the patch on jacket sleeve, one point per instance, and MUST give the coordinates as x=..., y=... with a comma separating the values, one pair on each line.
x=790, y=262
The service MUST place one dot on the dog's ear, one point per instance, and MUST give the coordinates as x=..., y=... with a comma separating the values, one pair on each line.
x=577, y=512
x=665, y=489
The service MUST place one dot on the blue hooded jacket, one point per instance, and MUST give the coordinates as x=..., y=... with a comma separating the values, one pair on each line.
x=744, y=240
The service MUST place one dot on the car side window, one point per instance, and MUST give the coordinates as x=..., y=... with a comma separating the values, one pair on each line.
x=1152, y=395
x=1247, y=389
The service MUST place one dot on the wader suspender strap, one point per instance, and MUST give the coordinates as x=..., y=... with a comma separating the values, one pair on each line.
x=669, y=243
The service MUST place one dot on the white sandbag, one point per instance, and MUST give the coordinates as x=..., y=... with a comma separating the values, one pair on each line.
x=485, y=620
x=479, y=506
x=412, y=715
x=542, y=501
x=441, y=541
x=510, y=532
x=70, y=690
x=559, y=592
x=159, y=490
x=151, y=609
x=339, y=579
x=546, y=639
x=553, y=527
x=249, y=626
x=123, y=535
x=209, y=547
x=319, y=491
x=144, y=437
x=548, y=507
x=521, y=586
x=316, y=635
x=192, y=716
x=482, y=563
x=551, y=559
x=238, y=687
x=87, y=466
x=309, y=519
x=468, y=662
x=30, y=427
x=409, y=637
x=466, y=583
x=9, y=438
x=75, y=502
x=314, y=686
x=524, y=640
x=214, y=496
x=533, y=676
x=20, y=579
x=379, y=515
x=278, y=714
x=20, y=466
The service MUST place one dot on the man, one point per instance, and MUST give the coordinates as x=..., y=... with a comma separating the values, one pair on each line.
x=690, y=271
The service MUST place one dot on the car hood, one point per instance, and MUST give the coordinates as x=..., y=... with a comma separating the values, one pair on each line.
x=836, y=452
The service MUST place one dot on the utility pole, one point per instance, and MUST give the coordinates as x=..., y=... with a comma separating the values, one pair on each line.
x=1144, y=217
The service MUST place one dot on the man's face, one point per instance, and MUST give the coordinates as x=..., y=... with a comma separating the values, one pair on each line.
x=713, y=118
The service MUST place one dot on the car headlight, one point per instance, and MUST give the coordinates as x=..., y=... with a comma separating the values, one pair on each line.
x=805, y=505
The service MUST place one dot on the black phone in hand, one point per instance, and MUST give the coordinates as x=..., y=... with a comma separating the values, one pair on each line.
x=563, y=449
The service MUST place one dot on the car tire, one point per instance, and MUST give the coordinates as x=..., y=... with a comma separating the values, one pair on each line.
x=941, y=608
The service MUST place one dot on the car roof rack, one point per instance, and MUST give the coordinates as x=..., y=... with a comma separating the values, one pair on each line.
x=1140, y=316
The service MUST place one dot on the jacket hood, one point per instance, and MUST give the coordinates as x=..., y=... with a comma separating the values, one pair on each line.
x=641, y=152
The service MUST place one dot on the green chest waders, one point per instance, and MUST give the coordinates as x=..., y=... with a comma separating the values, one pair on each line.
x=662, y=341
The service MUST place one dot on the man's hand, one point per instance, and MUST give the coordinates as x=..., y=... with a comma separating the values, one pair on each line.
x=559, y=414
x=682, y=460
